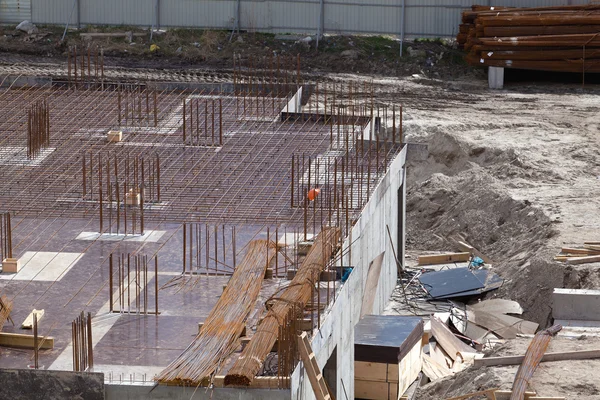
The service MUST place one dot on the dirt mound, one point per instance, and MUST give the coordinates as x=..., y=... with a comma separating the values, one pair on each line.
x=463, y=189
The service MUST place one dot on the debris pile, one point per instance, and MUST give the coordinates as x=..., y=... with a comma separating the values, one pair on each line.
x=558, y=38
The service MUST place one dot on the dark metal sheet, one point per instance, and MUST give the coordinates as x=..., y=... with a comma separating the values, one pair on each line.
x=449, y=281
x=386, y=338
x=491, y=280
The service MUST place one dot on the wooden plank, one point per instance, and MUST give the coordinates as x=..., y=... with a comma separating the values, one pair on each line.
x=28, y=323
x=592, y=247
x=505, y=394
x=572, y=250
x=450, y=343
x=464, y=246
x=434, y=370
x=517, y=360
x=501, y=306
x=371, y=285
x=583, y=260
x=409, y=367
x=378, y=372
x=372, y=390
x=503, y=325
x=480, y=393
x=24, y=341
x=444, y=258
x=439, y=355
x=312, y=368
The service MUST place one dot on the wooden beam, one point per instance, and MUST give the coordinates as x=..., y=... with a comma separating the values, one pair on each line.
x=480, y=393
x=444, y=258
x=259, y=382
x=583, y=260
x=517, y=360
x=464, y=246
x=28, y=323
x=23, y=341
x=573, y=250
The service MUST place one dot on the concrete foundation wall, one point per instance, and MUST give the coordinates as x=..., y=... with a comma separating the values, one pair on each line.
x=50, y=385
x=148, y=391
x=576, y=304
x=367, y=240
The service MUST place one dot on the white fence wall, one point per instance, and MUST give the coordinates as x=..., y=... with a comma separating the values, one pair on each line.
x=422, y=18
x=14, y=11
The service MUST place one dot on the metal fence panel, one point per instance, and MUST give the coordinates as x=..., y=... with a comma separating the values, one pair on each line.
x=15, y=11
x=422, y=18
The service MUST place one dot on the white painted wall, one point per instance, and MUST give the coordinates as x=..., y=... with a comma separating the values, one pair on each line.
x=370, y=238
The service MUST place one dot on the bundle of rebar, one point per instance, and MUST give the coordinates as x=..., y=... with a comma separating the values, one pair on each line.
x=38, y=128
x=219, y=335
x=560, y=38
x=533, y=357
x=296, y=295
x=5, y=236
x=81, y=336
x=6, y=306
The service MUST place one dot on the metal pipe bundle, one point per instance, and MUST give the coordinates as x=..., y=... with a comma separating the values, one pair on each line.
x=296, y=295
x=562, y=38
x=219, y=335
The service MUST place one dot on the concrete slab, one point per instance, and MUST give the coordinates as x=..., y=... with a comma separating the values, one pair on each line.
x=576, y=304
x=11, y=155
x=43, y=266
x=496, y=77
x=150, y=236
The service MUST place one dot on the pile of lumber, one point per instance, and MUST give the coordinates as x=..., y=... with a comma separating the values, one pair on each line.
x=558, y=38
x=589, y=253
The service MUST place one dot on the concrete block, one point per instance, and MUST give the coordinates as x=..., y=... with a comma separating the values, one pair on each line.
x=328, y=276
x=291, y=273
x=269, y=273
x=576, y=304
x=11, y=265
x=132, y=198
x=496, y=77
x=303, y=247
x=114, y=136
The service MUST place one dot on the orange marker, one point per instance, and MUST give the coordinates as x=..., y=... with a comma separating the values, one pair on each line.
x=313, y=193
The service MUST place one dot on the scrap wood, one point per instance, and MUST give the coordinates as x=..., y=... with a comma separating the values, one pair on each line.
x=446, y=339
x=501, y=306
x=560, y=356
x=463, y=245
x=533, y=356
x=503, y=325
x=444, y=258
x=433, y=369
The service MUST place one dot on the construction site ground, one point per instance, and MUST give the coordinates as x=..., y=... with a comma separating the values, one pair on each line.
x=515, y=172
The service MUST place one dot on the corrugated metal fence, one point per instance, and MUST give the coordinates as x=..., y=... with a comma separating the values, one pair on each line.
x=414, y=18
x=14, y=11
